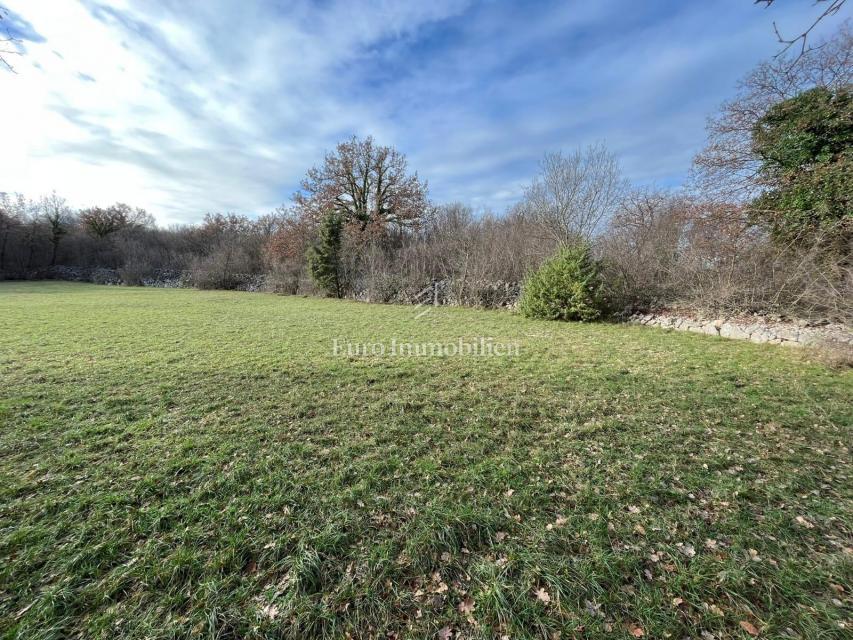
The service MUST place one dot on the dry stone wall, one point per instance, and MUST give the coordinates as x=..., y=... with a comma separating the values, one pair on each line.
x=752, y=328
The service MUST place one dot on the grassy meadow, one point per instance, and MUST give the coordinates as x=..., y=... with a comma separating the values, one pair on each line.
x=181, y=463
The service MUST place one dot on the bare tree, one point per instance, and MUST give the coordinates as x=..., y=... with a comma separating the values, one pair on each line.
x=366, y=184
x=7, y=42
x=641, y=247
x=10, y=219
x=573, y=194
x=104, y=222
x=830, y=8
x=728, y=167
x=58, y=216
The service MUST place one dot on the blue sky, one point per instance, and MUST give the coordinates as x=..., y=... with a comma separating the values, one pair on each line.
x=189, y=107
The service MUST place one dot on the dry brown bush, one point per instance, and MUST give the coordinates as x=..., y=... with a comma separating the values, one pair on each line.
x=670, y=251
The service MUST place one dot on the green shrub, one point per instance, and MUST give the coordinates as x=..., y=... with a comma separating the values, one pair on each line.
x=566, y=287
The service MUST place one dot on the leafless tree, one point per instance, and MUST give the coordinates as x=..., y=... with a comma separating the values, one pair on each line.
x=641, y=247
x=58, y=216
x=104, y=222
x=10, y=219
x=367, y=184
x=727, y=168
x=573, y=194
x=7, y=43
x=830, y=8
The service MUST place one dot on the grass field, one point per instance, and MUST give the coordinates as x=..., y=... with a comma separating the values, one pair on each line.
x=178, y=463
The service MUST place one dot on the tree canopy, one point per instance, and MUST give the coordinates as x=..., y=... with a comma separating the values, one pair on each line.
x=364, y=183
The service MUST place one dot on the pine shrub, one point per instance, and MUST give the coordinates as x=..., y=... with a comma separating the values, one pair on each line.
x=566, y=287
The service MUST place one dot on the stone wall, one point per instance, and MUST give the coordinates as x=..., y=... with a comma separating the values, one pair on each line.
x=161, y=278
x=753, y=328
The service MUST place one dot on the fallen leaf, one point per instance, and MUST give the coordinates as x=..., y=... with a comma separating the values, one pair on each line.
x=803, y=522
x=543, y=596
x=677, y=602
x=687, y=549
x=636, y=631
x=508, y=493
x=593, y=609
x=500, y=535
x=445, y=633
x=270, y=611
x=639, y=529
x=748, y=627
x=467, y=605
x=633, y=509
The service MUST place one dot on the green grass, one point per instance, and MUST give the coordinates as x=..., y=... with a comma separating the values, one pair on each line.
x=178, y=463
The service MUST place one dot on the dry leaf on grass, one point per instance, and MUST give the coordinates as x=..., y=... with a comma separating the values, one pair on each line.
x=543, y=596
x=748, y=627
x=270, y=611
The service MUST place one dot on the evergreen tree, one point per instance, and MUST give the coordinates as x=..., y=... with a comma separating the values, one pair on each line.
x=324, y=258
x=566, y=287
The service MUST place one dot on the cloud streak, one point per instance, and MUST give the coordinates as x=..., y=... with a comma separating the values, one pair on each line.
x=184, y=108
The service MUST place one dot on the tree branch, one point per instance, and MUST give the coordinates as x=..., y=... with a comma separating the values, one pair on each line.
x=831, y=10
x=9, y=39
